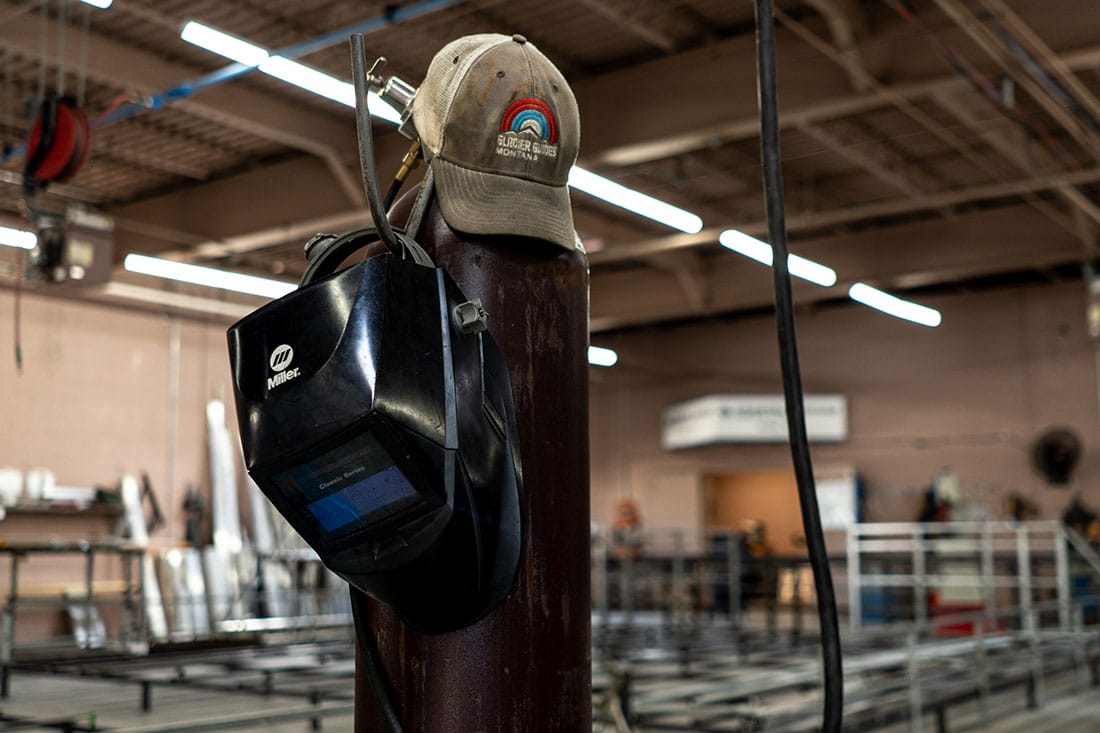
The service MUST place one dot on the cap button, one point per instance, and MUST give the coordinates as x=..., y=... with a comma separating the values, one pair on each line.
x=519, y=39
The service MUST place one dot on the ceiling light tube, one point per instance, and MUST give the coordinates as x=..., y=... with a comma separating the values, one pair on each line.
x=600, y=356
x=894, y=306
x=798, y=266
x=207, y=276
x=101, y=4
x=338, y=90
x=282, y=68
x=634, y=201
x=223, y=44
x=21, y=238
x=310, y=79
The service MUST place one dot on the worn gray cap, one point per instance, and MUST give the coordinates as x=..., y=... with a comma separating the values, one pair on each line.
x=501, y=129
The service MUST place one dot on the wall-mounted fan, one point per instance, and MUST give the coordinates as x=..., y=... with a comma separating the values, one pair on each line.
x=1055, y=454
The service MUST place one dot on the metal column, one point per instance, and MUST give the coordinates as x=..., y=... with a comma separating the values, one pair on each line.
x=989, y=587
x=526, y=666
x=1023, y=575
x=920, y=579
x=7, y=626
x=89, y=590
x=1062, y=581
x=733, y=576
x=679, y=586
x=855, y=607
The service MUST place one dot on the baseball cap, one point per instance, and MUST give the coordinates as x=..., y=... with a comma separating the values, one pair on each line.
x=501, y=128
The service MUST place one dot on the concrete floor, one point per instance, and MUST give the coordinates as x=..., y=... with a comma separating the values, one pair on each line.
x=1068, y=703
x=116, y=706
x=1078, y=713
x=1065, y=708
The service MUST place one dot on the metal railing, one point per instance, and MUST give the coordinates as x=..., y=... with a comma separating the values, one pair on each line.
x=684, y=577
x=907, y=572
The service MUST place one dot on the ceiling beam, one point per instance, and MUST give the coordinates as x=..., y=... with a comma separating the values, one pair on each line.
x=843, y=140
x=1056, y=66
x=843, y=17
x=889, y=96
x=265, y=203
x=965, y=109
x=612, y=104
x=988, y=41
x=125, y=68
x=689, y=270
x=968, y=246
x=691, y=129
x=811, y=220
x=627, y=19
x=222, y=239
x=692, y=95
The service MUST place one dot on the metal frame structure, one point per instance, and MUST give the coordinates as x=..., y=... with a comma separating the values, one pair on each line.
x=1024, y=562
x=662, y=667
x=713, y=678
x=691, y=576
x=668, y=664
x=311, y=612
x=319, y=674
x=891, y=118
x=131, y=625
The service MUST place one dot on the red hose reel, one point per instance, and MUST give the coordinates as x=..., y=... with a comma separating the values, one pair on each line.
x=58, y=143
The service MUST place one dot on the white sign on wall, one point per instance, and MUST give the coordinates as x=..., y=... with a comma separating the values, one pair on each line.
x=750, y=418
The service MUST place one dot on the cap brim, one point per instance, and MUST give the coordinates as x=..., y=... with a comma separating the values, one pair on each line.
x=477, y=202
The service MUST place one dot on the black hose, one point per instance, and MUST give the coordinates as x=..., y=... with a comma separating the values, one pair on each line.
x=373, y=668
x=364, y=135
x=792, y=376
x=391, y=194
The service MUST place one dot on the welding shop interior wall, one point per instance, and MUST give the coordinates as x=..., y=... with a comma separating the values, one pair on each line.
x=97, y=399
x=971, y=395
x=1004, y=366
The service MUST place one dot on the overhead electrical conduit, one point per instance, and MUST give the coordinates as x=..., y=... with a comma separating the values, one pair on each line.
x=1034, y=127
x=1031, y=65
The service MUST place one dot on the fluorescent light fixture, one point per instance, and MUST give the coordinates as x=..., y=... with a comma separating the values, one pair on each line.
x=208, y=276
x=223, y=44
x=20, y=238
x=894, y=306
x=338, y=90
x=280, y=67
x=599, y=356
x=634, y=201
x=310, y=79
x=325, y=85
x=754, y=249
x=101, y=4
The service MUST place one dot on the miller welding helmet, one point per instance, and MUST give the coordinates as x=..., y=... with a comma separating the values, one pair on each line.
x=376, y=413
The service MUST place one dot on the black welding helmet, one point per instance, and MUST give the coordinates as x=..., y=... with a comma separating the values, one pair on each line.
x=376, y=413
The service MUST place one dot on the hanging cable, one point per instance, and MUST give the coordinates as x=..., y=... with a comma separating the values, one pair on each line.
x=62, y=26
x=44, y=44
x=82, y=72
x=371, y=665
x=792, y=378
x=9, y=103
x=17, y=314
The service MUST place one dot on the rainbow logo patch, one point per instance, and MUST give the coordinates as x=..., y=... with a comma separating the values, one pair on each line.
x=533, y=115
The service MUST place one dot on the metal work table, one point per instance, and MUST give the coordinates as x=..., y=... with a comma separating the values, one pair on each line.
x=127, y=594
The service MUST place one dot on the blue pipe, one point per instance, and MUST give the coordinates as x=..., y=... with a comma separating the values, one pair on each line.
x=234, y=70
x=304, y=48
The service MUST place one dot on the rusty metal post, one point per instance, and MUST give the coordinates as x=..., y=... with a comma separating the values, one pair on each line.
x=527, y=666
